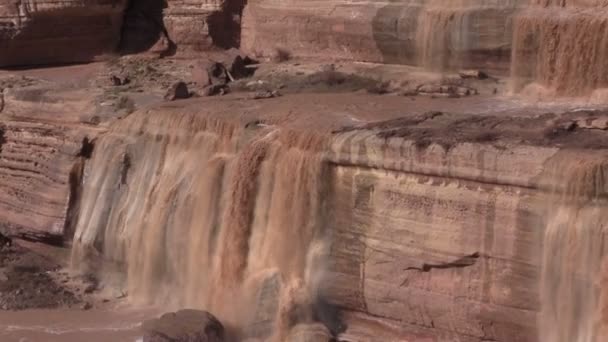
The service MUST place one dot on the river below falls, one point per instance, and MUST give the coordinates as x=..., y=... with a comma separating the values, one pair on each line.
x=73, y=325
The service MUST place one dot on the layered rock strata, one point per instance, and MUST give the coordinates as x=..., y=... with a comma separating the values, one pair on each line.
x=558, y=44
x=50, y=31
x=435, y=34
x=184, y=27
x=421, y=227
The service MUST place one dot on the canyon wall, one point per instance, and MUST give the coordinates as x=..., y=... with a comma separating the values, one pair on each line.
x=373, y=234
x=43, y=145
x=435, y=34
x=177, y=26
x=53, y=31
x=559, y=45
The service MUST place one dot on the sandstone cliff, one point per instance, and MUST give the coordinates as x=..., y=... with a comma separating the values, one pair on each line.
x=418, y=228
x=558, y=44
x=52, y=31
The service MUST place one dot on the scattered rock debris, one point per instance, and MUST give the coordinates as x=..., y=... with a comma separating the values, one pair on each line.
x=120, y=81
x=266, y=94
x=476, y=74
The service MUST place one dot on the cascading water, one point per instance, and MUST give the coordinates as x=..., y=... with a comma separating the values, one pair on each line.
x=561, y=45
x=204, y=214
x=575, y=246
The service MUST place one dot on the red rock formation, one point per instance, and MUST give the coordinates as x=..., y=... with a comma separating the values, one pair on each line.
x=185, y=27
x=41, y=161
x=54, y=31
x=414, y=228
x=435, y=34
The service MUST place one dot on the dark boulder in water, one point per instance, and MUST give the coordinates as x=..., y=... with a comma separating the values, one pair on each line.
x=184, y=326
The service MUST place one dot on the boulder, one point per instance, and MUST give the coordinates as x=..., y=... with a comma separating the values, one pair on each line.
x=477, y=74
x=177, y=91
x=184, y=326
x=217, y=72
x=236, y=62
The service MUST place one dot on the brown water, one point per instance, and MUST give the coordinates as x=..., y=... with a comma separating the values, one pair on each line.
x=573, y=295
x=67, y=325
x=203, y=214
x=561, y=45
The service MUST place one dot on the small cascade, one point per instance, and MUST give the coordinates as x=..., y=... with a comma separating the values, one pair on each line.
x=464, y=34
x=442, y=37
x=573, y=296
x=561, y=46
x=203, y=214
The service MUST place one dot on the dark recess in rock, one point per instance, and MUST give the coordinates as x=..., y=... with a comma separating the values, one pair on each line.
x=144, y=27
x=86, y=150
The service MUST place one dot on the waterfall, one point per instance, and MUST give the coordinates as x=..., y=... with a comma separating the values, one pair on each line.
x=204, y=214
x=561, y=46
x=575, y=246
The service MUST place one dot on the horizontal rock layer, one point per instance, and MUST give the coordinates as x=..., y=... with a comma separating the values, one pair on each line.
x=52, y=31
x=45, y=137
x=437, y=236
x=555, y=43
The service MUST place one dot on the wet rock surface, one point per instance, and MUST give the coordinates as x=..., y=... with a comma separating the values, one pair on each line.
x=184, y=326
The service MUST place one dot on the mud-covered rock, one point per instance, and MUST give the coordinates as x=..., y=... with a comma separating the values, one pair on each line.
x=184, y=326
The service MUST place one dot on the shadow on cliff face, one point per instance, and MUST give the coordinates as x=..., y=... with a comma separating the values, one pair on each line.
x=225, y=25
x=394, y=32
x=143, y=26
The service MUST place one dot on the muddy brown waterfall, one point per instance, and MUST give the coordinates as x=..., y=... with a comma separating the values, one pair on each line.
x=561, y=46
x=205, y=214
x=573, y=295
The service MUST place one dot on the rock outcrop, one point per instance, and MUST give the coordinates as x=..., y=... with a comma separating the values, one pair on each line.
x=184, y=326
x=41, y=161
x=557, y=44
x=185, y=27
x=435, y=34
x=422, y=227
x=52, y=31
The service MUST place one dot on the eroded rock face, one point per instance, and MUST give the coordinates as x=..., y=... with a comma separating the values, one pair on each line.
x=433, y=34
x=558, y=44
x=418, y=228
x=52, y=31
x=184, y=27
x=40, y=165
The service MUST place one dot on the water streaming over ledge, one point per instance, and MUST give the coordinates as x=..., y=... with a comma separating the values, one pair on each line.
x=231, y=218
x=573, y=295
x=201, y=213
